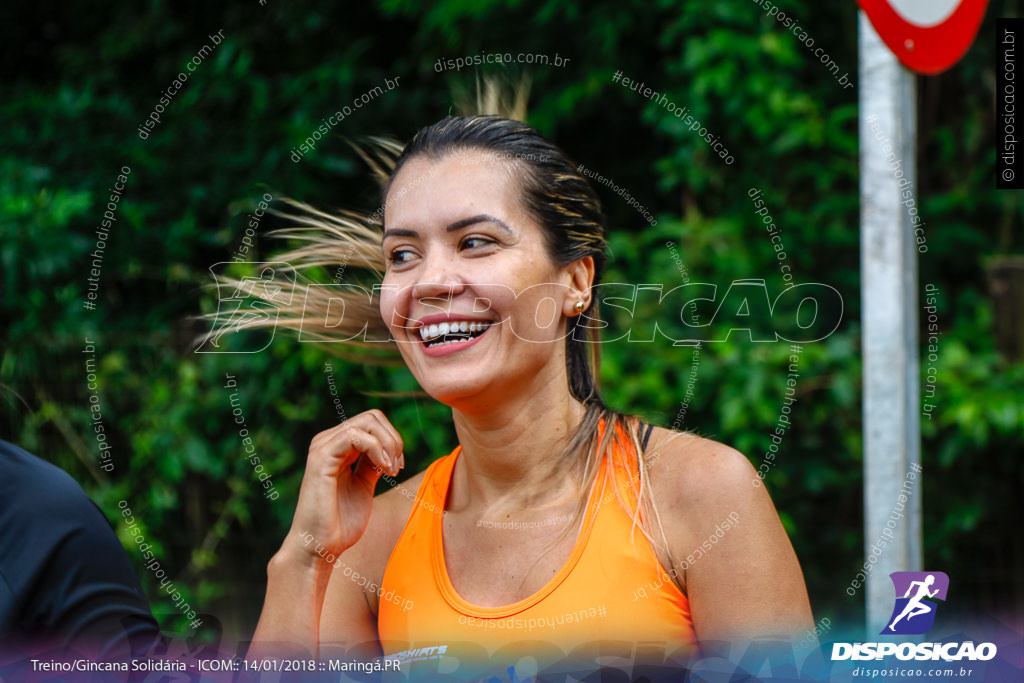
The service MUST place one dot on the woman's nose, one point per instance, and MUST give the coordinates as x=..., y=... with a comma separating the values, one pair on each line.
x=438, y=279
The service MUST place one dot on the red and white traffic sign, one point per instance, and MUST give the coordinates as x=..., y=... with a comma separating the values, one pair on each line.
x=928, y=36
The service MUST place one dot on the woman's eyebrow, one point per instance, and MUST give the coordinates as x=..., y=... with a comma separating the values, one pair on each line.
x=457, y=225
x=396, y=232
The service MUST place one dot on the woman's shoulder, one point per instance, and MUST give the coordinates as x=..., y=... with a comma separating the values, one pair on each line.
x=686, y=451
x=394, y=504
x=741, y=576
x=697, y=475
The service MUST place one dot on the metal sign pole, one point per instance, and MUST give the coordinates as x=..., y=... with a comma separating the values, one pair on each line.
x=892, y=518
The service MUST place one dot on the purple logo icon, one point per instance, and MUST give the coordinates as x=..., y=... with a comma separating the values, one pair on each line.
x=916, y=592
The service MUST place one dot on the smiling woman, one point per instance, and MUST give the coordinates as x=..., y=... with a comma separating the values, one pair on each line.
x=489, y=248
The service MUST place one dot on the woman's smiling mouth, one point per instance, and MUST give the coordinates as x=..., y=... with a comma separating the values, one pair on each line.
x=450, y=334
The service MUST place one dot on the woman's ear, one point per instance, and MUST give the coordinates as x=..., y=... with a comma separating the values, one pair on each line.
x=581, y=279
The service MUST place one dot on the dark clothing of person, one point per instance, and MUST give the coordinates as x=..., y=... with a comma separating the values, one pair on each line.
x=66, y=583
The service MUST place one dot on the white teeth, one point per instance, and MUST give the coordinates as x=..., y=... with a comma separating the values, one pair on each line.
x=431, y=334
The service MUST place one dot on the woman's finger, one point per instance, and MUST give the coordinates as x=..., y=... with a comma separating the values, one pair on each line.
x=342, y=448
x=368, y=472
x=390, y=439
x=396, y=438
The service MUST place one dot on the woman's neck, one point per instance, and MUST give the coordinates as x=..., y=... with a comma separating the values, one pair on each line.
x=510, y=451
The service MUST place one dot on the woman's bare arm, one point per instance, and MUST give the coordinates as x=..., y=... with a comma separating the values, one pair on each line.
x=296, y=585
x=332, y=514
x=348, y=623
x=741, y=574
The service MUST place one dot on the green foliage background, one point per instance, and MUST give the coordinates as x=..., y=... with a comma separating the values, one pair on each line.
x=82, y=77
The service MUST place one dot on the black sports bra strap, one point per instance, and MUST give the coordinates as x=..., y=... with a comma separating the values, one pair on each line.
x=646, y=430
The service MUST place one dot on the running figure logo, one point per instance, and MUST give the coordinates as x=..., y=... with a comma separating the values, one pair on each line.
x=914, y=612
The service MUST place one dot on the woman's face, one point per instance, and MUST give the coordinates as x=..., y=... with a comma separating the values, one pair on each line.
x=470, y=293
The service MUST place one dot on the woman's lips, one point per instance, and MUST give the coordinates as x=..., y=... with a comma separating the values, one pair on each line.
x=462, y=335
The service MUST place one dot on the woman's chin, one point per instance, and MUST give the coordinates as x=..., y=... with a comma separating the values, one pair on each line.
x=461, y=394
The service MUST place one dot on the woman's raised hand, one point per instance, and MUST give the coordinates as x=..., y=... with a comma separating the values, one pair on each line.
x=333, y=512
x=335, y=499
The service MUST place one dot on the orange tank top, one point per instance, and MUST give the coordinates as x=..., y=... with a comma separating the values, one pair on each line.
x=612, y=596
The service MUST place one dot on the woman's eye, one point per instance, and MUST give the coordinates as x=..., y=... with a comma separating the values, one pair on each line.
x=476, y=242
x=400, y=255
